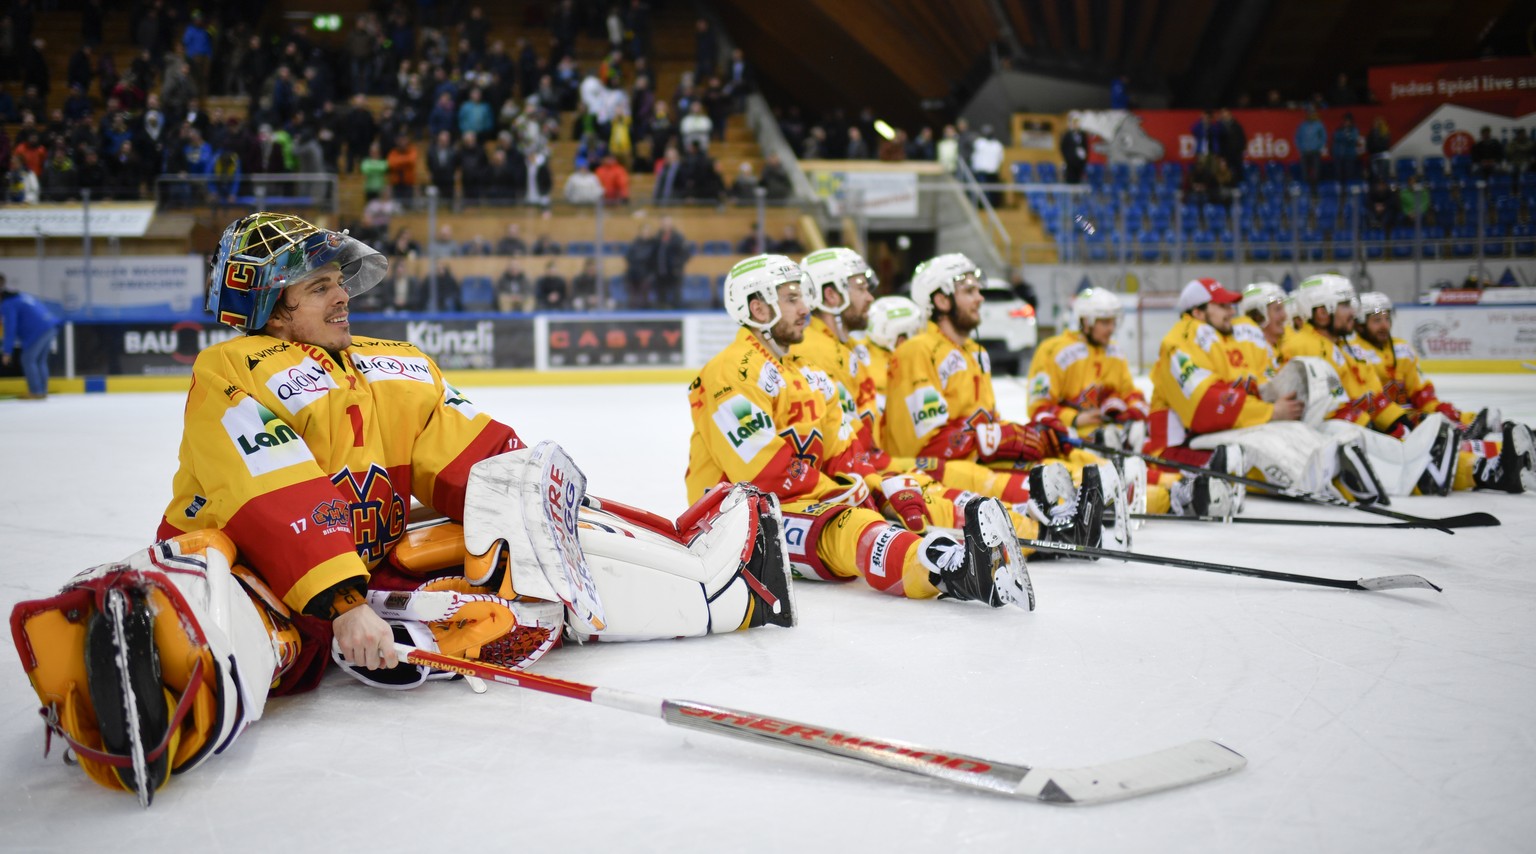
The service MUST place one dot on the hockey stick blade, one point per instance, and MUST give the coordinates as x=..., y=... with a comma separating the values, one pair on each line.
x=1183, y=765
x=1467, y=520
x=1385, y=582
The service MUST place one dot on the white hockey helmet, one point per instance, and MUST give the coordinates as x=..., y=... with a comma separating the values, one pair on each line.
x=1259, y=295
x=892, y=317
x=759, y=276
x=1373, y=302
x=938, y=275
x=1326, y=290
x=834, y=266
x=1096, y=304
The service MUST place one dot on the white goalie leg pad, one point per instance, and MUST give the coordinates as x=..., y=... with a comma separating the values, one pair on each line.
x=1287, y=454
x=530, y=499
x=1117, y=508
x=653, y=587
x=1398, y=463
x=1314, y=382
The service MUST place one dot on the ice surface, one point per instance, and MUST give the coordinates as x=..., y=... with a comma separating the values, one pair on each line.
x=1398, y=721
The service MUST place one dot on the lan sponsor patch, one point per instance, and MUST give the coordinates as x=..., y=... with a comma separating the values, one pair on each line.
x=928, y=410
x=301, y=385
x=748, y=428
x=264, y=442
x=378, y=368
x=1188, y=374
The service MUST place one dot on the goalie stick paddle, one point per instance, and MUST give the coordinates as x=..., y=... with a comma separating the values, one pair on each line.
x=1183, y=765
x=1466, y=520
x=1276, y=491
x=1384, y=582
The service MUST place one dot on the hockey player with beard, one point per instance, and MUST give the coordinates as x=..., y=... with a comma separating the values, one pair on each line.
x=762, y=417
x=286, y=541
x=1480, y=463
x=940, y=404
x=1258, y=329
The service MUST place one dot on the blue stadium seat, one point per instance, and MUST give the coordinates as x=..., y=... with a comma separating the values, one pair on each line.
x=1120, y=175
x=477, y=293
x=1023, y=173
x=1047, y=173
x=715, y=247
x=1406, y=166
x=1430, y=238
x=1402, y=242
x=1093, y=175
x=1495, y=242
x=696, y=291
x=1461, y=167
x=1434, y=166
x=1464, y=241
x=1205, y=245
x=1525, y=238
x=614, y=248
x=581, y=247
x=1261, y=244
x=1146, y=175
x=618, y=291
x=1151, y=244
x=1172, y=173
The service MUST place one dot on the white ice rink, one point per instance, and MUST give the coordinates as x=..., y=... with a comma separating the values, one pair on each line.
x=1392, y=722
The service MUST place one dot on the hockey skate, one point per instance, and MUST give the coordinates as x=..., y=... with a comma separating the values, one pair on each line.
x=1076, y=515
x=1230, y=459
x=1202, y=495
x=986, y=566
x=1511, y=471
x=1486, y=421
x=1440, y=473
x=122, y=673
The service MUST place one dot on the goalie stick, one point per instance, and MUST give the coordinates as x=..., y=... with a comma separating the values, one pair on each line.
x=1287, y=492
x=1466, y=520
x=1384, y=582
x=1188, y=763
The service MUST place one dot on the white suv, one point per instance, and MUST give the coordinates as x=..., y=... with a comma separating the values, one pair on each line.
x=1007, y=328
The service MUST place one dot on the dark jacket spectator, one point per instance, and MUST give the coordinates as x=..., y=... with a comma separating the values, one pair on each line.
x=551, y=289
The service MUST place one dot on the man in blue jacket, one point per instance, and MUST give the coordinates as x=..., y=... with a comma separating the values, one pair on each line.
x=32, y=325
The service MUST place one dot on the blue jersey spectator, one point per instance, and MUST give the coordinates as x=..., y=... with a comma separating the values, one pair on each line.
x=1346, y=149
x=1311, y=138
x=475, y=115
x=30, y=325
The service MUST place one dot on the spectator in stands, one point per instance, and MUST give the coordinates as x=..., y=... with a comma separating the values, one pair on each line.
x=375, y=170
x=443, y=165
x=474, y=167
x=775, y=179
x=753, y=242
x=477, y=246
x=512, y=291
x=358, y=130
x=584, y=287
x=551, y=289
x=512, y=242
x=893, y=150
x=922, y=146
x=696, y=126
x=403, y=160
x=21, y=184
x=582, y=187
x=640, y=267
x=1487, y=153
x=789, y=242
x=670, y=180
x=1346, y=150
x=61, y=178
x=403, y=291
x=857, y=149
x=671, y=257
x=126, y=172
x=1207, y=135
x=1413, y=199
x=443, y=244
x=706, y=50
x=815, y=147
x=198, y=45
x=1311, y=139
x=226, y=172
x=404, y=246
x=614, y=179
x=1381, y=205
x=82, y=67
x=987, y=161
x=1234, y=143
x=1378, y=145
x=546, y=245
x=508, y=176
x=744, y=186
x=1520, y=152
x=1074, y=151
x=474, y=114
x=378, y=216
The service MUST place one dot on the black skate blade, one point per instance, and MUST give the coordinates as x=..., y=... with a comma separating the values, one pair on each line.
x=122, y=668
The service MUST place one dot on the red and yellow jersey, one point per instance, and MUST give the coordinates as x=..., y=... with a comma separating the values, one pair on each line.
x=1198, y=377
x=872, y=413
x=848, y=366
x=1367, y=404
x=1258, y=357
x=1397, y=367
x=761, y=420
x=1069, y=373
x=937, y=393
x=309, y=462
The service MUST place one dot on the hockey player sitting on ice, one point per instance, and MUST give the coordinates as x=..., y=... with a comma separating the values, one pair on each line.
x=1258, y=328
x=1479, y=463
x=839, y=296
x=763, y=418
x=940, y=405
x=302, y=449
x=1346, y=400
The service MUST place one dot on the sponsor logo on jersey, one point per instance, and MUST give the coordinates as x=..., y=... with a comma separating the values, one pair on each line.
x=820, y=382
x=770, y=380
x=301, y=385
x=1040, y=387
x=265, y=443
x=377, y=510
x=1206, y=336
x=198, y=502
x=748, y=428
x=1188, y=374
x=857, y=356
x=985, y=361
x=332, y=517
x=881, y=550
x=255, y=358
x=381, y=368
x=928, y=410
x=953, y=364
x=1248, y=333
x=456, y=400
x=1070, y=354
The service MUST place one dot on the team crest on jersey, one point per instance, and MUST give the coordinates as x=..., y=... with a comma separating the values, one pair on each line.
x=264, y=441
x=953, y=364
x=928, y=409
x=770, y=380
x=332, y=517
x=301, y=385
x=748, y=428
x=381, y=368
x=378, y=511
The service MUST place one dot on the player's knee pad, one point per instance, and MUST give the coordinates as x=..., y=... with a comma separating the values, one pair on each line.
x=151, y=665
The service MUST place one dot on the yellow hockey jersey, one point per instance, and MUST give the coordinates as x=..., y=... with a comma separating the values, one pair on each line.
x=1198, y=377
x=848, y=367
x=872, y=412
x=936, y=395
x=761, y=420
x=1397, y=367
x=309, y=462
x=1367, y=404
x=1259, y=359
x=1069, y=374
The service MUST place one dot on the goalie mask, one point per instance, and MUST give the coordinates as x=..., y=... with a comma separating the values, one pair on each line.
x=834, y=267
x=939, y=275
x=262, y=253
x=892, y=317
x=759, y=276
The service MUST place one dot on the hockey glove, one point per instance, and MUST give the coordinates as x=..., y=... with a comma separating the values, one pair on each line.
x=1450, y=412
x=1008, y=441
x=905, y=498
x=1121, y=411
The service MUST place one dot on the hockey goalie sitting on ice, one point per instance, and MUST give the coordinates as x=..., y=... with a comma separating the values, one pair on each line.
x=288, y=535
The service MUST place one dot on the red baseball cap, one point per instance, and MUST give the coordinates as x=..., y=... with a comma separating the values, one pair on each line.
x=1201, y=291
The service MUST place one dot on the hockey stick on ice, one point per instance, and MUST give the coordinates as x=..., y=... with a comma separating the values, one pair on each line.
x=1284, y=491
x=1466, y=520
x=1385, y=582
x=1183, y=765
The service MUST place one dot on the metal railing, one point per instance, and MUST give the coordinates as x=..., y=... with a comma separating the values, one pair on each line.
x=289, y=191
